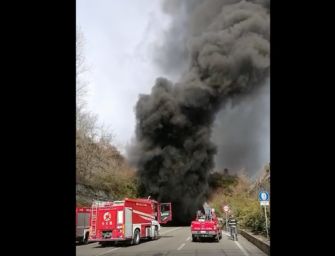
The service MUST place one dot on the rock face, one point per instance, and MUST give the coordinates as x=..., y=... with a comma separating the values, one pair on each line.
x=86, y=194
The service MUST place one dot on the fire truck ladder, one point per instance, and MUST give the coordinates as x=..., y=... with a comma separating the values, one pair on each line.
x=95, y=206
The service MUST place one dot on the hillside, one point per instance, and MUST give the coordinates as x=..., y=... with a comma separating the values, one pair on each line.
x=102, y=172
x=242, y=197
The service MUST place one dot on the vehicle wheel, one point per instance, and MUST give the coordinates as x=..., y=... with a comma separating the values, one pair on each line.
x=103, y=244
x=217, y=238
x=193, y=238
x=136, y=239
x=156, y=233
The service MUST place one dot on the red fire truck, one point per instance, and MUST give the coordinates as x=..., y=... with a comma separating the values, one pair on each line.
x=206, y=226
x=82, y=224
x=128, y=220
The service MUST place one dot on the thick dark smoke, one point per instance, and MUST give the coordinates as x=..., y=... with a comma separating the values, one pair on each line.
x=227, y=46
x=242, y=132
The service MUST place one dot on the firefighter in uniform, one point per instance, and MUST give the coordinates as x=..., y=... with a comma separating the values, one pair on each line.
x=232, y=225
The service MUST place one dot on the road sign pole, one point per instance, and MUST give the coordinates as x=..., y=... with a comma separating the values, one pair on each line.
x=263, y=197
x=266, y=222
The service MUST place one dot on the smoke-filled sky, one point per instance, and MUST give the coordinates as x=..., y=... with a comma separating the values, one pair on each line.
x=242, y=128
x=129, y=43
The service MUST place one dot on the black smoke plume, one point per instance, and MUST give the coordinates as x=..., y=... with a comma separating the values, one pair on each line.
x=227, y=46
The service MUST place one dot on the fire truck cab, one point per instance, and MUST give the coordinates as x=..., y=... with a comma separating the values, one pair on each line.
x=82, y=224
x=127, y=220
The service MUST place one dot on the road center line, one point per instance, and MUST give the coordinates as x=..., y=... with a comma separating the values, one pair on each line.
x=108, y=251
x=188, y=238
x=181, y=246
x=169, y=231
x=242, y=249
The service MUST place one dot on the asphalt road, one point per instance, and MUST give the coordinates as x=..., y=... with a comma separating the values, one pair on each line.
x=174, y=241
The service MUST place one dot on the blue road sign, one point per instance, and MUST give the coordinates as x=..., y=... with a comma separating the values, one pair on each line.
x=263, y=196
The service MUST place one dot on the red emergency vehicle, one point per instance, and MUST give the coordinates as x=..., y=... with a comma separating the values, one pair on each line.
x=128, y=220
x=82, y=224
x=206, y=226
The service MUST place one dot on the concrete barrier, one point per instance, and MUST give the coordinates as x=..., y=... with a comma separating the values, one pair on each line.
x=262, y=245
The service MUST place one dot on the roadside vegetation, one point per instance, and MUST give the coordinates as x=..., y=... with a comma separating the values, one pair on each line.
x=241, y=194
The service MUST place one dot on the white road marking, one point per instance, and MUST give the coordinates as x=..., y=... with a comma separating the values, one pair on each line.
x=188, y=238
x=108, y=251
x=169, y=231
x=242, y=249
x=181, y=246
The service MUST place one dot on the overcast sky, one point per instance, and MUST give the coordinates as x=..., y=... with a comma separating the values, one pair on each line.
x=119, y=39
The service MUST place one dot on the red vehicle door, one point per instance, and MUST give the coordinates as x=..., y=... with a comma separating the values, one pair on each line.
x=164, y=213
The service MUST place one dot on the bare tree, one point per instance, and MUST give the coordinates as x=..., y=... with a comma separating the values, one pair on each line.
x=93, y=141
x=81, y=68
x=98, y=162
x=85, y=121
